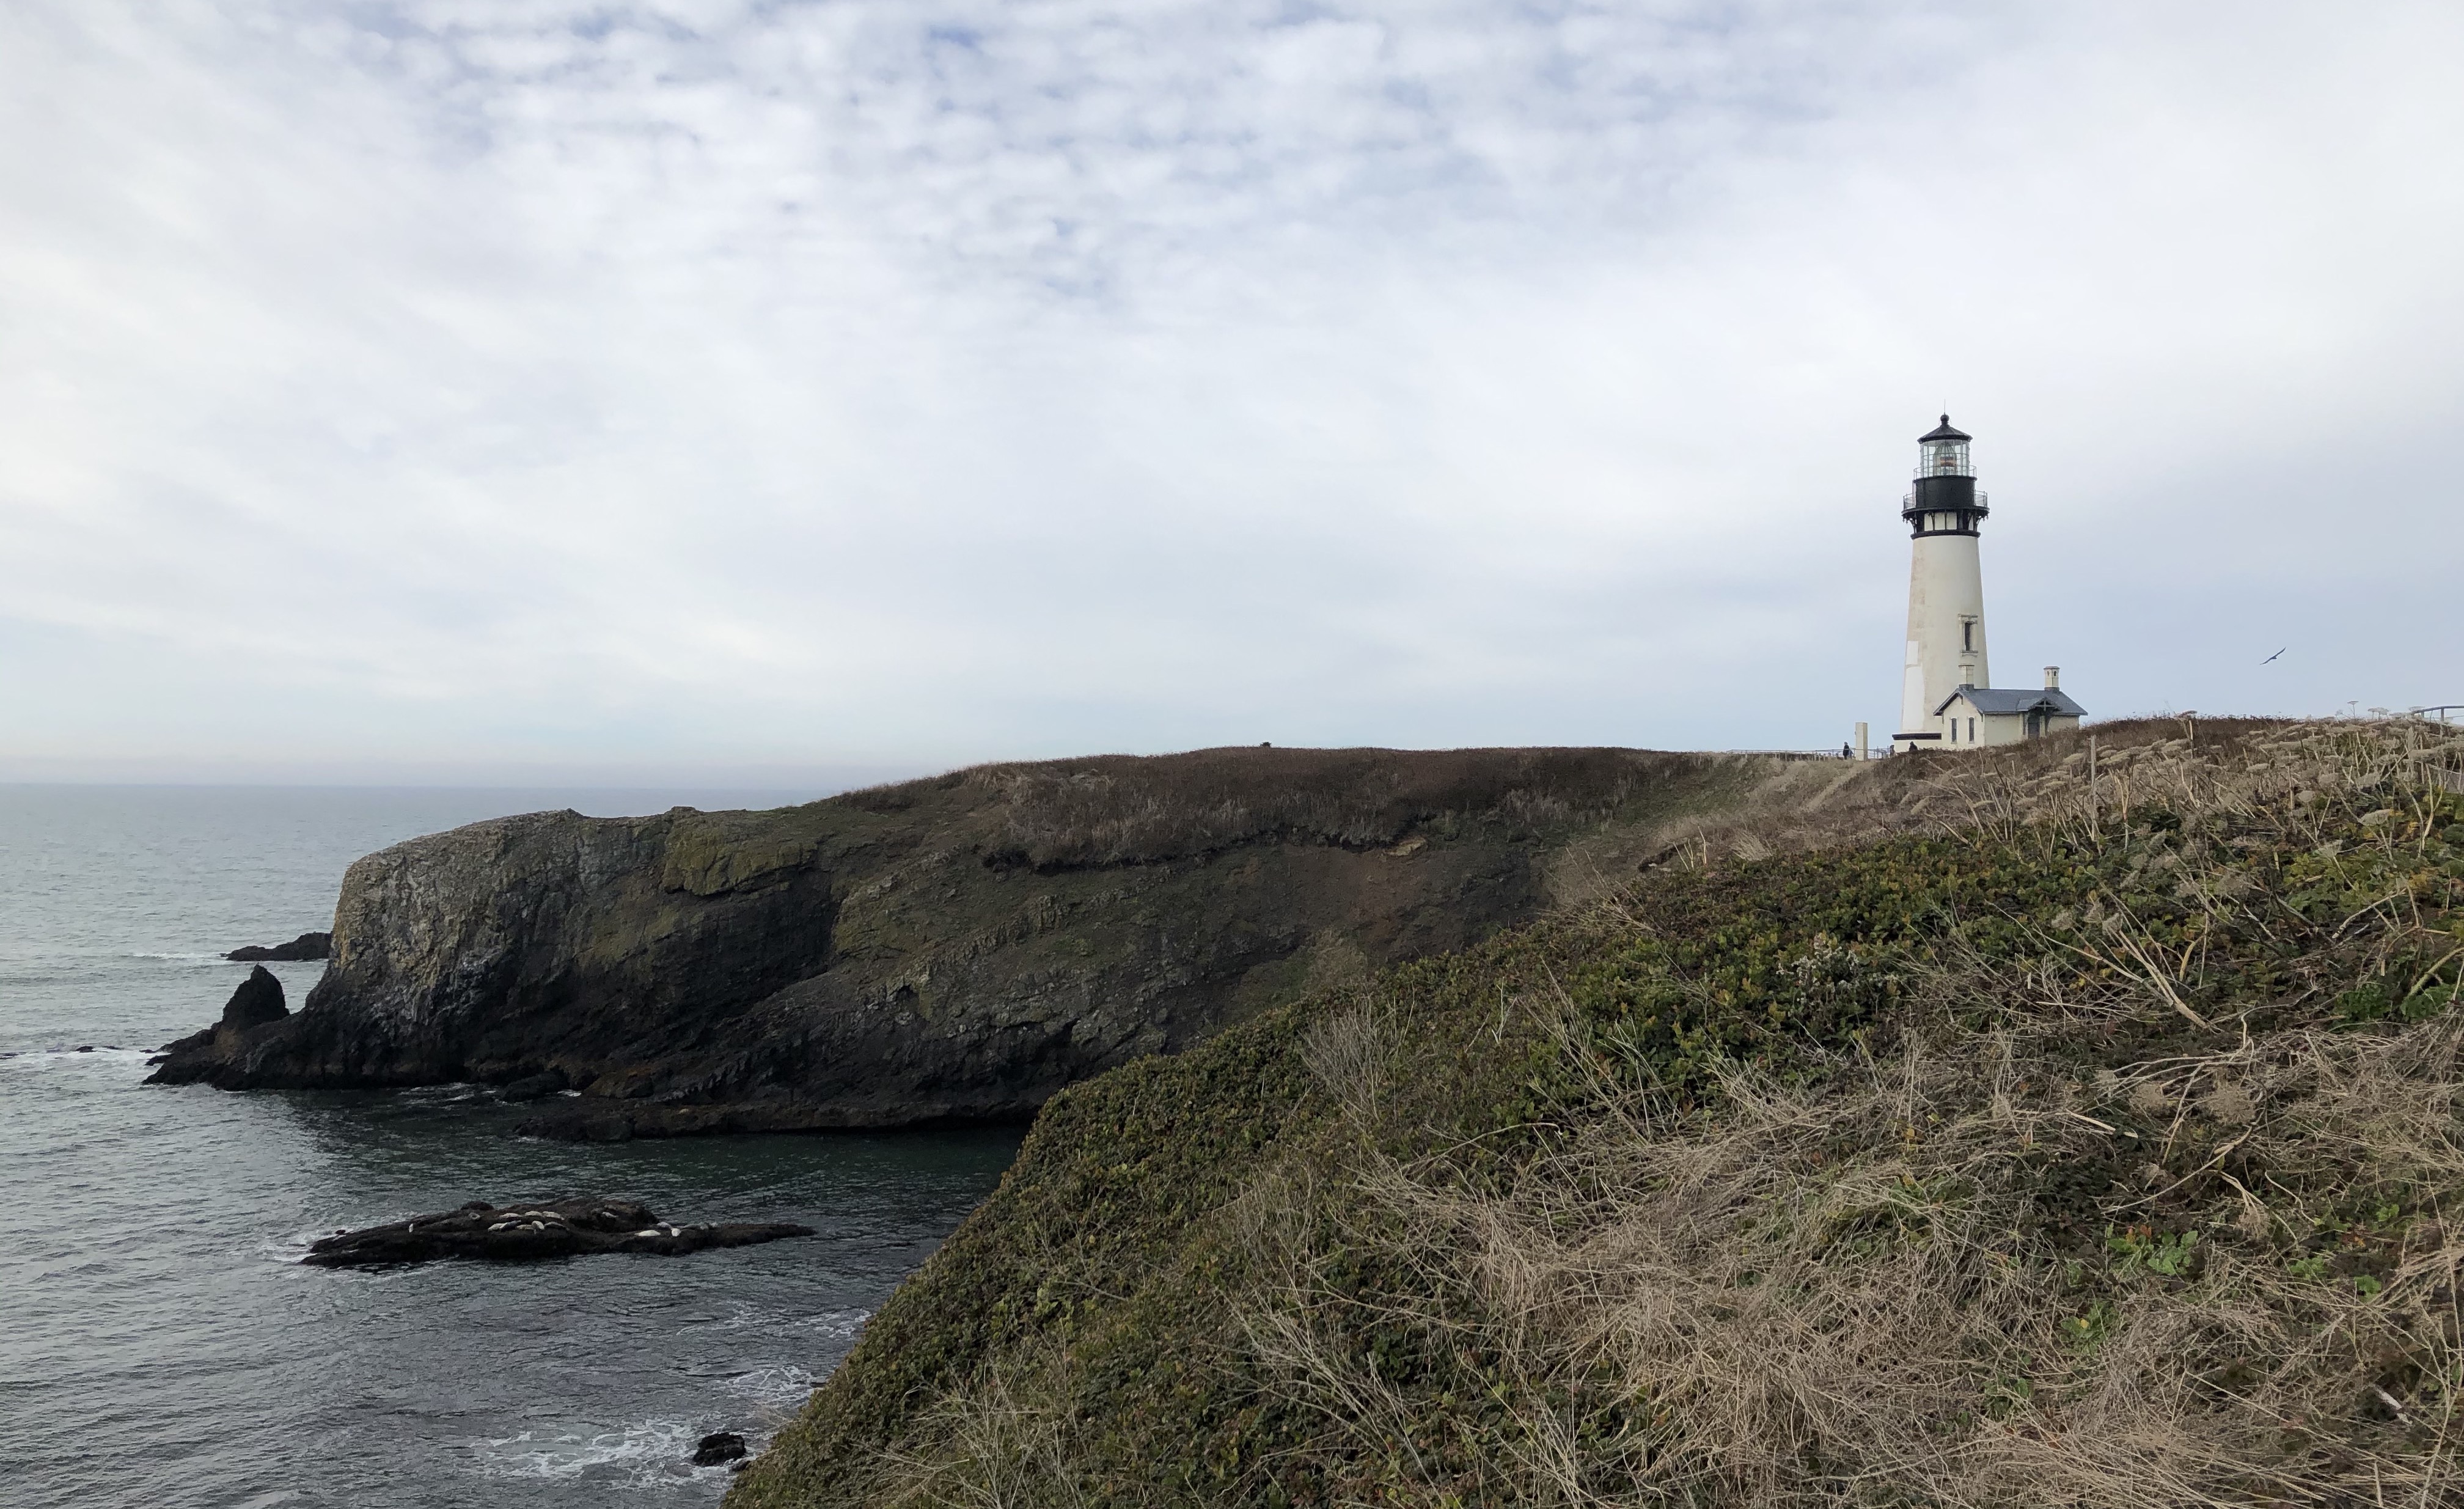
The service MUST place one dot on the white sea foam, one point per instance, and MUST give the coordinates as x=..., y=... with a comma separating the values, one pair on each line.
x=441, y=1093
x=655, y=1453
x=267, y=1501
x=782, y=1388
x=46, y=1059
x=836, y=1325
x=294, y=1249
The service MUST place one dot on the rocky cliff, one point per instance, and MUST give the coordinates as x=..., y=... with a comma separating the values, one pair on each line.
x=947, y=949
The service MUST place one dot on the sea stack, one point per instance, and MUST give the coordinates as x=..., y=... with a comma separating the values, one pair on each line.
x=258, y=1003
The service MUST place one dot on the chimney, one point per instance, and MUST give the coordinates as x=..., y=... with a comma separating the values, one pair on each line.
x=2053, y=679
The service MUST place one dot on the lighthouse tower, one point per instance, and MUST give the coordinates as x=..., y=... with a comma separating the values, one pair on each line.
x=1945, y=585
x=1946, y=698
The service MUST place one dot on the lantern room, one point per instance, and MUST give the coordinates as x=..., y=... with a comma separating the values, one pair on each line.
x=1944, y=500
x=1943, y=452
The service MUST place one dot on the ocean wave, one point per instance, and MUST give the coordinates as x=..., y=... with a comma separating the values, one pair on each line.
x=292, y=1248
x=655, y=1453
x=777, y=1389
x=453, y=1093
x=782, y=1388
x=838, y=1325
x=70, y=1057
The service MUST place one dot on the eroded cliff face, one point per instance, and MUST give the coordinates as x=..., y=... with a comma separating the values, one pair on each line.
x=495, y=951
x=955, y=949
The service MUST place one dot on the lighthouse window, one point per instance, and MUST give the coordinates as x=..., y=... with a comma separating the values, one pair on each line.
x=1943, y=459
x=1968, y=634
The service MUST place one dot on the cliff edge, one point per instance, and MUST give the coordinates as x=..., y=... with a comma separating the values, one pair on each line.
x=955, y=949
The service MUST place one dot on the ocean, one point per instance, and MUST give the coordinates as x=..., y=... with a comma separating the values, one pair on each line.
x=161, y=1343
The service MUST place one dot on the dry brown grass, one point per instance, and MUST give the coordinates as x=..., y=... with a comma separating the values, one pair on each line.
x=1869, y=1285
x=1845, y=1297
x=2093, y=1230
x=997, y=1446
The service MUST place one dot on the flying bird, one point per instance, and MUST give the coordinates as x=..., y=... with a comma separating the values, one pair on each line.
x=2272, y=657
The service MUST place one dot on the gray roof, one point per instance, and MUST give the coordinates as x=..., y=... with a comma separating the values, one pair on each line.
x=1991, y=699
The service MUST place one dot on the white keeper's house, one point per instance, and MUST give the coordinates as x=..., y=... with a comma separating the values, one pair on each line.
x=1947, y=696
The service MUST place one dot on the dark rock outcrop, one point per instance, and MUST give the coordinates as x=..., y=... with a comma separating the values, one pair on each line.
x=257, y=1002
x=538, y=1086
x=305, y=949
x=523, y=1231
x=717, y=1448
x=951, y=949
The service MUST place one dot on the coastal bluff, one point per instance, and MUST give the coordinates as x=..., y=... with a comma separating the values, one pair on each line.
x=949, y=949
x=1995, y=1132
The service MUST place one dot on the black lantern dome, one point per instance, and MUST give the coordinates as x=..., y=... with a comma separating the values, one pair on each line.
x=1945, y=499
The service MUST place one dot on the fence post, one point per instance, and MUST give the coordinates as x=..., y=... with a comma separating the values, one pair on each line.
x=2095, y=831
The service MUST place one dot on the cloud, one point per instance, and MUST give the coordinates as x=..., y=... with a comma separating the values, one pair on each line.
x=726, y=384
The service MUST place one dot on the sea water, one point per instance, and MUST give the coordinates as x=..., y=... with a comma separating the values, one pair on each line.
x=161, y=1343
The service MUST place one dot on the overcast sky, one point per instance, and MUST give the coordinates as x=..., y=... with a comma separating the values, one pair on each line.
x=482, y=390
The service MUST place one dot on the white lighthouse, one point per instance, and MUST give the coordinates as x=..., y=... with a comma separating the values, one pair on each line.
x=1946, y=696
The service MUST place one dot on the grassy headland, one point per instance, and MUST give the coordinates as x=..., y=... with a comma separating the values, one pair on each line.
x=2010, y=1141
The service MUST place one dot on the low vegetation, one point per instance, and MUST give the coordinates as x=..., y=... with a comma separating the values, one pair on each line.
x=1112, y=810
x=2026, y=1139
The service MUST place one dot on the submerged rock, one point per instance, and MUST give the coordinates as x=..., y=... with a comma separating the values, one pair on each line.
x=718, y=1447
x=525, y=1230
x=533, y=1087
x=304, y=949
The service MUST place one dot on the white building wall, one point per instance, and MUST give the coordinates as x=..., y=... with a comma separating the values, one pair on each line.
x=1964, y=727
x=1946, y=646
